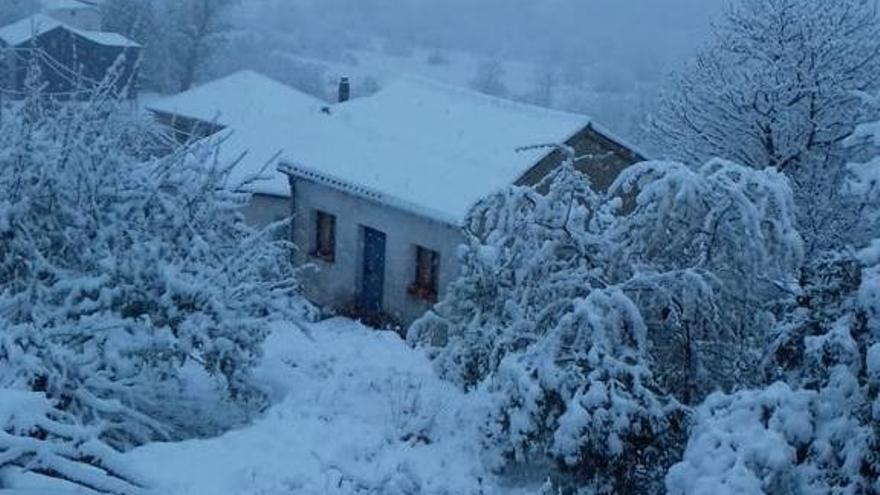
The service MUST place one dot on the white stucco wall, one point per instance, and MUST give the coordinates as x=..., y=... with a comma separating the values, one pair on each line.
x=336, y=284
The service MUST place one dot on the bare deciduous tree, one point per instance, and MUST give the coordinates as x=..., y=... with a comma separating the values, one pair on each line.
x=776, y=87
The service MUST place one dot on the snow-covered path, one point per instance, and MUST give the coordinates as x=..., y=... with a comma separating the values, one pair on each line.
x=357, y=412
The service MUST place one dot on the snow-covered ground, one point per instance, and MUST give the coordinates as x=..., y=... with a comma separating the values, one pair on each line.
x=356, y=411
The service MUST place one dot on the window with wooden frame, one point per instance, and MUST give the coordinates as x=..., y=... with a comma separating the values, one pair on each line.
x=427, y=269
x=325, y=236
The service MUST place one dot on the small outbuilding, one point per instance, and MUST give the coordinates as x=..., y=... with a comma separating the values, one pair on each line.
x=255, y=119
x=71, y=61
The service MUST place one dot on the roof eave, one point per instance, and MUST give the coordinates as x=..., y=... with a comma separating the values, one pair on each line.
x=300, y=171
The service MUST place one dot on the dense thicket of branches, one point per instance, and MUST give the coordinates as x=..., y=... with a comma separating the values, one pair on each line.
x=181, y=37
x=126, y=276
x=778, y=87
x=594, y=318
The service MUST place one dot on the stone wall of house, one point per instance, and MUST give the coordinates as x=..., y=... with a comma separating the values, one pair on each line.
x=603, y=162
x=336, y=284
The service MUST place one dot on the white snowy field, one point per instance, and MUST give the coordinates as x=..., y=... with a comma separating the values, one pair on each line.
x=356, y=411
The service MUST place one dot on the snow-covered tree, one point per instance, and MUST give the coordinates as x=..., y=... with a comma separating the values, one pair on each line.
x=528, y=256
x=583, y=397
x=590, y=317
x=195, y=30
x=777, y=440
x=536, y=324
x=863, y=184
x=818, y=431
x=180, y=37
x=38, y=438
x=489, y=78
x=705, y=253
x=545, y=86
x=142, y=21
x=121, y=270
x=777, y=87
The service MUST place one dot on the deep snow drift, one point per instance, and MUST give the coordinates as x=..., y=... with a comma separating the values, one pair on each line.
x=357, y=411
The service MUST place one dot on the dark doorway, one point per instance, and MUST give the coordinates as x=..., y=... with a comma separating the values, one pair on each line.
x=373, y=277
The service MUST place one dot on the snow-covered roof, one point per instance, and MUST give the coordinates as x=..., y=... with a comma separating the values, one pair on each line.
x=442, y=147
x=261, y=116
x=419, y=145
x=66, y=4
x=26, y=29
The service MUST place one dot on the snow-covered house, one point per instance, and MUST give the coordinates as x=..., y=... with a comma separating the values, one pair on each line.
x=379, y=186
x=379, y=207
x=70, y=59
x=256, y=118
x=80, y=14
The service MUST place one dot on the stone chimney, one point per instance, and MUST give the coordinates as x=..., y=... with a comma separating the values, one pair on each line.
x=344, y=90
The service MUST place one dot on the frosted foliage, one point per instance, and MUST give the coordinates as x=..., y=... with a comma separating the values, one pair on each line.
x=777, y=87
x=776, y=440
x=583, y=396
x=705, y=253
x=122, y=274
x=724, y=217
x=36, y=436
x=591, y=317
x=527, y=257
x=863, y=184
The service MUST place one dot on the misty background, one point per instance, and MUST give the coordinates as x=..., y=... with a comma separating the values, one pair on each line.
x=604, y=58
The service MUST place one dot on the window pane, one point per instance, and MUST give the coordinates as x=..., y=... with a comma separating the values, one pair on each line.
x=325, y=239
x=427, y=265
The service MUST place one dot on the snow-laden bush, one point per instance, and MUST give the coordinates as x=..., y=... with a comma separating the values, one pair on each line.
x=819, y=430
x=591, y=316
x=37, y=437
x=777, y=440
x=528, y=256
x=583, y=396
x=124, y=274
x=705, y=253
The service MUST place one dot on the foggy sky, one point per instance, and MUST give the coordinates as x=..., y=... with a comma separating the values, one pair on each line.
x=643, y=35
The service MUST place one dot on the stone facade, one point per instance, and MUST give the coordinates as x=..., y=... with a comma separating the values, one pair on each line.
x=602, y=159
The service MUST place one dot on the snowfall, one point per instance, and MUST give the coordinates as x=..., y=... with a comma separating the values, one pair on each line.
x=355, y=411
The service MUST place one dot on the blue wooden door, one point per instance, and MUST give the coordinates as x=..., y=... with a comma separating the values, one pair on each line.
x=373, y=279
